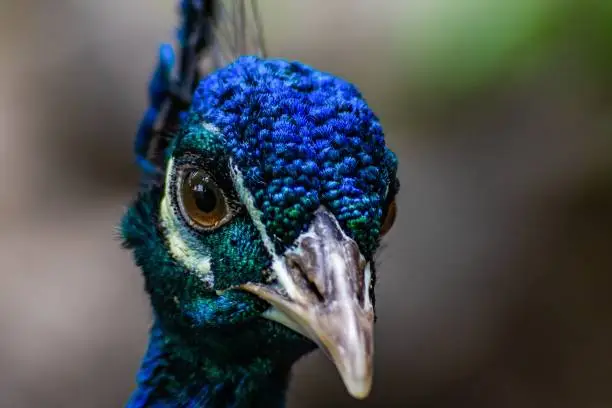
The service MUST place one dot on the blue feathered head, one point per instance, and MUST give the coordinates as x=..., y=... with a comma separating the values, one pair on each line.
x=277, y=191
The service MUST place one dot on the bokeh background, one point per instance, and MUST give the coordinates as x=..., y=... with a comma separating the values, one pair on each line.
x=495, y=283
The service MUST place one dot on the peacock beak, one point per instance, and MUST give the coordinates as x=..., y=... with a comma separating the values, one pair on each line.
x=322, y=291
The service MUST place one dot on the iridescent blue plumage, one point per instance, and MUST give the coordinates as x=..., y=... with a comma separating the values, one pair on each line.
x=257, y=242
x=302, y=138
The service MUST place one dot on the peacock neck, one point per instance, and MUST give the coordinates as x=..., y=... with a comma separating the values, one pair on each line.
x=174, y=374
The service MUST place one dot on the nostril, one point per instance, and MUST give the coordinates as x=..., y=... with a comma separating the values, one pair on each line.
x=307, y=280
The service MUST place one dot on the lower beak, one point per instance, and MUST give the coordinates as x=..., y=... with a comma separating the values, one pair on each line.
x=322, y=292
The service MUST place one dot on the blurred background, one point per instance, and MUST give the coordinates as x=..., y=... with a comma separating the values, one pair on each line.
x=495, y=283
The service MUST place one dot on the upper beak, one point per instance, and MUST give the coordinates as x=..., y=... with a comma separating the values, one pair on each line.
x=322, y=292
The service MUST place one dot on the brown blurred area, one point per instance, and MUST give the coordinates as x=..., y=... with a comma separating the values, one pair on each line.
x=494, y=286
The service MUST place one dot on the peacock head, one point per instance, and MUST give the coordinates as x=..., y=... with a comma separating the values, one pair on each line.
x=278, y=189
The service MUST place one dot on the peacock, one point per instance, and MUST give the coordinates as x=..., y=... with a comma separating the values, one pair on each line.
x=267, y=187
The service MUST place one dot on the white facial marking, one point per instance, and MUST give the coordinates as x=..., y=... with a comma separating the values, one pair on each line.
x=181, y=251
x=247, y=199
x=279, y=268
x=211, y=128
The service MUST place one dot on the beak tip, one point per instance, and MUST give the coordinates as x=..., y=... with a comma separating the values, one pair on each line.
x=358, y=389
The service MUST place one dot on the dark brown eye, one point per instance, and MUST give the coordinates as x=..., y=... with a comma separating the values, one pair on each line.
x=389, y=218
x=202, y=202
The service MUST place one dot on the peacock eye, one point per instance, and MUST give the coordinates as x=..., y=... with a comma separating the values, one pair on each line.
x=389, y=218
x=202, y=201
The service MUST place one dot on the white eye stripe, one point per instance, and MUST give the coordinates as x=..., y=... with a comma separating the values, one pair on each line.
x=279, y=268
x=194, y=259
x=247, y=199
